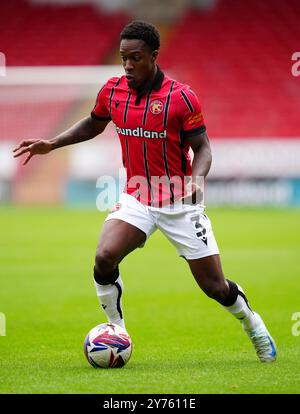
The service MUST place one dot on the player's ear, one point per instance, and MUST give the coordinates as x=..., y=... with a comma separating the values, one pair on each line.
x=154, y=55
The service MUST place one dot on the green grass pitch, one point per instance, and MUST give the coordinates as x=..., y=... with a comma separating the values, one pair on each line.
x=183, y=341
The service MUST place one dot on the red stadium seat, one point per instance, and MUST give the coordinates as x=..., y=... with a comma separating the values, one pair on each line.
x=41, y=35
x=237, y=57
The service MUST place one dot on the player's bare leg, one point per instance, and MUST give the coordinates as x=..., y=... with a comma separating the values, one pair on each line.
x=117, y=239
x=208, y=274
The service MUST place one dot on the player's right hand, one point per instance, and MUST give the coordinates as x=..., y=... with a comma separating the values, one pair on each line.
x=33, y=146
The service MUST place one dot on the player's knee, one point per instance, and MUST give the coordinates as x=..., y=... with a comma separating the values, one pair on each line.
x=105, y=262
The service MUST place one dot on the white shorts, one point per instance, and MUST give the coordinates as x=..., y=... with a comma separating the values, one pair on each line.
x=186, y=226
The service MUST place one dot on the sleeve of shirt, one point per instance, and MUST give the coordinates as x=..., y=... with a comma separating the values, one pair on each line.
x=101, y=108
x=192, y=121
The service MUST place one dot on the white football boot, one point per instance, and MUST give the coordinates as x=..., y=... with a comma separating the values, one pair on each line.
x=263, y=342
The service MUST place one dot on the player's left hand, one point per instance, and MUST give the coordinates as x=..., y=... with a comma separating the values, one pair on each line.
x=194, y=195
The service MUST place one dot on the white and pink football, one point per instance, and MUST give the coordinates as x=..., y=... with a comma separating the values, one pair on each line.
x=108, y=346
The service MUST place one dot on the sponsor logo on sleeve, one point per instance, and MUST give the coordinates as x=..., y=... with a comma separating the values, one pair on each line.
x=193, y=119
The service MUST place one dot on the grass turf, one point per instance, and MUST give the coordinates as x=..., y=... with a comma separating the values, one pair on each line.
x=183, y=341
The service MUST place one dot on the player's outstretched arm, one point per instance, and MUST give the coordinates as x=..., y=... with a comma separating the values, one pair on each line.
x=87, y=128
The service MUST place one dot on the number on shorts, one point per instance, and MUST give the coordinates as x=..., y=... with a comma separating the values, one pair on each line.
x=200, y=229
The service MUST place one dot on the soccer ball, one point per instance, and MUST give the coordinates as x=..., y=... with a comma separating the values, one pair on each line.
x=107, y=346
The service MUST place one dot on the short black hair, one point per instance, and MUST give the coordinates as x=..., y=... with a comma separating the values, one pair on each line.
x=139, y=29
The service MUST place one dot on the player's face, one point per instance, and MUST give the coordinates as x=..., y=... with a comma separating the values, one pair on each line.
x=138, y=61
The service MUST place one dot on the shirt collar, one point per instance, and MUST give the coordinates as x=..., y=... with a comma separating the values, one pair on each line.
x=154, y=85
x=158, y=80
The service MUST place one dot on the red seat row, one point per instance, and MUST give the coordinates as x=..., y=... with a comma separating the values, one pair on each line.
x=56, y=35
x=237, y=57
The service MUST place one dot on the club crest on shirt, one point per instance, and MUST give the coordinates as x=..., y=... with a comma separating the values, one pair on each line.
x=156, y=107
